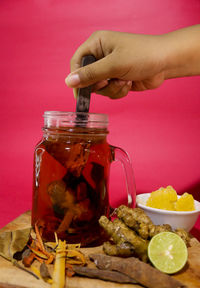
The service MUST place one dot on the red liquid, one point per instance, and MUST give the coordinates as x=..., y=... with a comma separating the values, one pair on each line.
x=70, y=190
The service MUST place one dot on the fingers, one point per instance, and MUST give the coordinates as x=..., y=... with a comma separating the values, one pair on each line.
x=93, y=73
x=116, y=89
x=82, y=51
x=92, y=46
x=96, y=87
x=100, y=85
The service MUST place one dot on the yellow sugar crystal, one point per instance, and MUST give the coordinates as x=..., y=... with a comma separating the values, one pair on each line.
x=171, y=193
x=163, y=198
x=185, y=203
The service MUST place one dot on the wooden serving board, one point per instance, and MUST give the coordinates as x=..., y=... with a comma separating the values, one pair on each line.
x=12, y=277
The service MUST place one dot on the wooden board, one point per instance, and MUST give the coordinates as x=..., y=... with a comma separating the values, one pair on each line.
x=11, y=277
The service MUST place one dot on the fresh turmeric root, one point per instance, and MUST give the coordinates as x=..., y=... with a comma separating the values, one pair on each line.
x=120, y=233
x=131, y=231
x=140, y=222
x=137, y=220
x=123, y=249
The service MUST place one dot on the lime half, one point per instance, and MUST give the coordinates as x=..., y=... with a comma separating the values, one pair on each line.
x=167, y=252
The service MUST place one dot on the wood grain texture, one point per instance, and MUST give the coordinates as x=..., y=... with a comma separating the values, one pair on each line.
x=12, y=277
x=2, y=285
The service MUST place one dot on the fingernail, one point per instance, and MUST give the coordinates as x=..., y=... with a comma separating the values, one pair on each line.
x=72, y=80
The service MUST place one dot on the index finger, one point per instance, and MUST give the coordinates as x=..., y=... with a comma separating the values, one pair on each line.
x=91, y=46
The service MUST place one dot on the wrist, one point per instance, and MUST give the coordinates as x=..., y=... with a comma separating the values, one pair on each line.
x=182, y=52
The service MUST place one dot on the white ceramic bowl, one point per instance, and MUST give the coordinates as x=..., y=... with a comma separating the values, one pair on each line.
x=177, y=219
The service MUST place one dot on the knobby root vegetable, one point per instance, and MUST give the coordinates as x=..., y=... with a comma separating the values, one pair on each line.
x=137, y=220
x=123, y=249
x=120, y=233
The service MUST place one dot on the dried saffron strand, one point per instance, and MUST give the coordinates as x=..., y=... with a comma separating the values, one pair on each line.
x=39, y=243
x=38, y=253
x=59, y=266
x=39, y=259
x=39, y=250
x=39, y=239
x=50, y=260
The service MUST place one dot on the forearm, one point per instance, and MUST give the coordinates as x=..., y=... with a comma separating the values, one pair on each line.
x=182, y=52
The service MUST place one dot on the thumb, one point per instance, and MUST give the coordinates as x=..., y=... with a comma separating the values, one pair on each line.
x=85, y=76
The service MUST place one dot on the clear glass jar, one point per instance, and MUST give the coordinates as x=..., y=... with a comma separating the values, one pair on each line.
x=71, y=174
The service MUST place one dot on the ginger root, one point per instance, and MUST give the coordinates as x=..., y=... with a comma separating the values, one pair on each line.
x=120, y=233
x=137, y=220
x=183, y=234
x=123, y=249
x=131, y=232
x=140, y=222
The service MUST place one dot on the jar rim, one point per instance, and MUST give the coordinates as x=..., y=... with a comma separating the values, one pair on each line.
x=65, y=119
x=66, y=113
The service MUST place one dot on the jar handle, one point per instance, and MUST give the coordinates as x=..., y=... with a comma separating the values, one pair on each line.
x=122, y=156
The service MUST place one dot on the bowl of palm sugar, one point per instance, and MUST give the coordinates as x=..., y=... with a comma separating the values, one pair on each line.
x=164, y=206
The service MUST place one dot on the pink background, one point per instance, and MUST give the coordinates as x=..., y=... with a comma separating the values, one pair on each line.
x=159, y=129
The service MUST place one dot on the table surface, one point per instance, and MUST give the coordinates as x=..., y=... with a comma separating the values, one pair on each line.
x=189, y=275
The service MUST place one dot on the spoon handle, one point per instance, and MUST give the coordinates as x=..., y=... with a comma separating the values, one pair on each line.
x=83, y=99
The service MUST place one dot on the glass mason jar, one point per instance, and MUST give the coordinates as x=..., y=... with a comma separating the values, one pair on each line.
x=71, y=174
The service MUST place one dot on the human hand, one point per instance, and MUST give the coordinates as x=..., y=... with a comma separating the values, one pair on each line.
x=129, y=61
x=134, y=61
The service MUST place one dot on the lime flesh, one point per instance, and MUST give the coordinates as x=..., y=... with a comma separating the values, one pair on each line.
x=167, y=252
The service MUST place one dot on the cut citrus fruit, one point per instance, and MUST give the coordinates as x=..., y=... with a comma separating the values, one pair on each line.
x=167, y=252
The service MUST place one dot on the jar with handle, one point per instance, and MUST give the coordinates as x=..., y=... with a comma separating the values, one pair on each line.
x=71, y=177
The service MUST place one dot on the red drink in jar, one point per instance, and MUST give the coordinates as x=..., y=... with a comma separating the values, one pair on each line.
x=71, y=174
